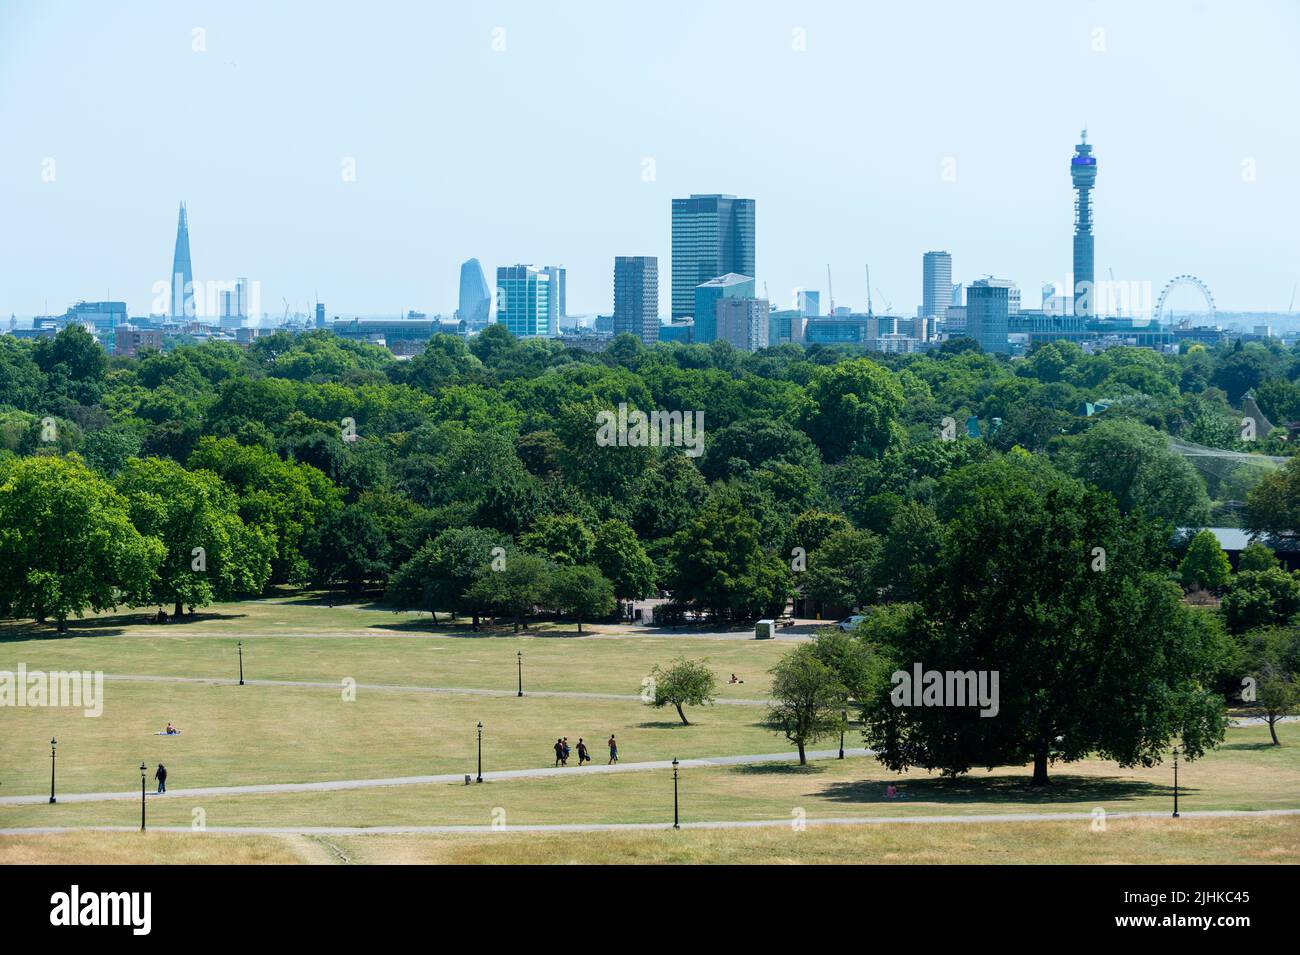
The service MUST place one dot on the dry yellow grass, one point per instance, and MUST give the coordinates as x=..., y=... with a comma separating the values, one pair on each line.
x=1125, y=841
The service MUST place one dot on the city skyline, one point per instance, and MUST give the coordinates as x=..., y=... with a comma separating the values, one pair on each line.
x=846, y=172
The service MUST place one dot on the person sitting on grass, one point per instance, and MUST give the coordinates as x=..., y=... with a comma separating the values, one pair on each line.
x=171, y=730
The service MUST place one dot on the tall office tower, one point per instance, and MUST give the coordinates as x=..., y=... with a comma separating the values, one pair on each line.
x=809, y=303
x=320, y=315
x=1083, y=172
x=475, y=301
x=745, y=322
x=242, y=304
x=712, y=235
x=636, y=296
x=182, y=273
x=936, y=284
x=524, y=301
x=558, y=305
x=707, y=296
x=988, y=303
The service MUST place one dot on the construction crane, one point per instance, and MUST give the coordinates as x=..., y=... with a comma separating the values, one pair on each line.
x=869, y=313
x=1291, y=307
x=830, y=291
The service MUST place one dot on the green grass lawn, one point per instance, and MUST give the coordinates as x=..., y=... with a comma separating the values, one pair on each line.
x=1130, y=842
x=238, y=735
x=1246, y=773
x=272, y=734
x=377, y=646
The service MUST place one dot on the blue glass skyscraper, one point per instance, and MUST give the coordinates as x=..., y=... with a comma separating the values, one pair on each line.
x=475, y=299
x=712, y=235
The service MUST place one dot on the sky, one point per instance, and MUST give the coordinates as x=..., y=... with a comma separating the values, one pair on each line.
x=558, y=133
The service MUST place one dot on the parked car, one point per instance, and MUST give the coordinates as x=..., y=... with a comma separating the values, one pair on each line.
x=849, y=622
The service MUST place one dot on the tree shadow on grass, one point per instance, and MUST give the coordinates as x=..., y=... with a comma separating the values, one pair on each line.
x=665, y=725
x=107, y=625
x=1000, y=789
x=1251, y=747
x=780, y=769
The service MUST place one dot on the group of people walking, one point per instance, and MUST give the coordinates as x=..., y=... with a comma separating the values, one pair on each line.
x=562, y=751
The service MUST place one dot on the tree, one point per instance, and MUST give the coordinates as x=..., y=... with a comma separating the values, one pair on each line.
x=581, y=591
x=1279, y=696
x=441, y=572
x=1135, y=463
x=1260, y=598
x=847, y=656
x=67, y=542
x=854, y=407
x=812, y=528
x=719, y=564
x=562, y=538
x=1256, y=556
x=513, y=590
x=808, y=699
x=211, y=553
x=287, y=499
x=1273, y=505
x=623, y=560
x=1090, y=657
x=844, y=569
x=350, y=547
x=1205, y=566
x=683, y=683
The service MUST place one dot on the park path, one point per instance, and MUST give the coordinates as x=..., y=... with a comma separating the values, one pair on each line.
x=969, y=819
x=401, y=687
x=333, y=785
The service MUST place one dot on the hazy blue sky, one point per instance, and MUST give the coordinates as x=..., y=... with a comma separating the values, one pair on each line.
x=537, y=153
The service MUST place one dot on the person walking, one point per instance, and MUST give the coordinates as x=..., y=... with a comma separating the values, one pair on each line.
x=613, y=749
x=583, y=755
x=161, y=776
x=559, y=751
x=565, y=760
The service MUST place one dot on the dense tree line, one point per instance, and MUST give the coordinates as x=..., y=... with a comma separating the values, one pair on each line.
x=467, y=481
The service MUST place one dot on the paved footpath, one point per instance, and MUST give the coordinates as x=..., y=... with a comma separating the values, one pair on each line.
x=341, y=784
x=972, y=819
x=399, y=687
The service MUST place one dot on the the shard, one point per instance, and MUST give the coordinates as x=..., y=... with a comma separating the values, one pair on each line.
x=182, y=273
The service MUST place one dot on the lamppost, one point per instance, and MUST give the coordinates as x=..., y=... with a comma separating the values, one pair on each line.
x=241, y=662
x=676, y=822
x=53, y=742
x=143, y=769
x=844, y=721
x=480, y=751
x=1175, y=782
x=520, y=655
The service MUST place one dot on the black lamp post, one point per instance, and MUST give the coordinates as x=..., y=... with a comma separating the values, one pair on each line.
x=53, y=743
x=844, y=721
x=676, y=821
x=520, y=655
x=480, y=751
x=241, y=662
x=1175, y=782
x=143, y=769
